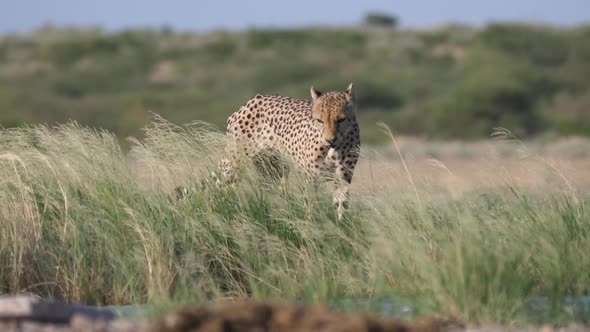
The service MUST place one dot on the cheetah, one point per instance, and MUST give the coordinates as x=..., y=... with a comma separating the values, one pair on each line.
x=321, y=136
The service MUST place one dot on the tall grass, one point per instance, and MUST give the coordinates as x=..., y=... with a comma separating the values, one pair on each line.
x=82, y=220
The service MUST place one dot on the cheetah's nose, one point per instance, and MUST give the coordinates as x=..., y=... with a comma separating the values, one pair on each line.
x=330, y=142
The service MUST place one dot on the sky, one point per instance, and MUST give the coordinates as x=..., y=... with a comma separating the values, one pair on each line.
x=204, y=15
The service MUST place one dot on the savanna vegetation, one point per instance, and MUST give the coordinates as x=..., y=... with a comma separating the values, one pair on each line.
x=90, y=214
x=82, y=220
x=447, y=82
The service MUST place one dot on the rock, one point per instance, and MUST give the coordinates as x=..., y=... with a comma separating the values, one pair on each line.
x=29, y=308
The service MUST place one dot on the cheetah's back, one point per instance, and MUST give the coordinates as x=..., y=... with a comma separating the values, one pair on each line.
x=271, y=122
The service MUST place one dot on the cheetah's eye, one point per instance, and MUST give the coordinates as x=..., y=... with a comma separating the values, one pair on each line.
x=319, y=121
x=341, y=120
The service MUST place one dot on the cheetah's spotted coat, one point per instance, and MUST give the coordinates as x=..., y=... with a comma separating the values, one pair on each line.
x=321, y=135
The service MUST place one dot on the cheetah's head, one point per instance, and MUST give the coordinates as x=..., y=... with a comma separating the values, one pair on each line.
x=333, y=113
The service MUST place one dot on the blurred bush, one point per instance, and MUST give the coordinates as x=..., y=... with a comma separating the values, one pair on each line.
x=380, y=19
x=541, y=45
x=453, y=81
x=490, y=92
x=570, y=114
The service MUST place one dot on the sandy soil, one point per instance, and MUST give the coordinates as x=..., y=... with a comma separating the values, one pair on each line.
x=286, y=317
x=458, y=167
x=260, y=316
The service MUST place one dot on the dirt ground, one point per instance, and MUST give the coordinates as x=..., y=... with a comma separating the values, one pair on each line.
x=259, y=316
x=286, y=317
x=457, y=168
x=238, y=317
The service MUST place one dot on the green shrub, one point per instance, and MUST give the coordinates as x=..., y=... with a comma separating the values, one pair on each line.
x=294, y=39
x=218, y=50
x=542, y=46
x=67, y=52
x=381, y=20
x=500, y=94
x=89, y=75
x=569, y=114
x=378, y=95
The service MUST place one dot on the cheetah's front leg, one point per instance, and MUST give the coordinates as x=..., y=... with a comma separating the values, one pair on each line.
x=340, y=200
x=342, y=179
x=227, y=168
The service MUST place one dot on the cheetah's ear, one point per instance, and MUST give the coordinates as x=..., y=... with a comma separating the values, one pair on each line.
x=351, y=92
x=315, y=93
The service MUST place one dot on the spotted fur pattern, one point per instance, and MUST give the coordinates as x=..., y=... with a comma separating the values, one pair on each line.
x=321, y=135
